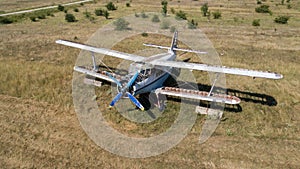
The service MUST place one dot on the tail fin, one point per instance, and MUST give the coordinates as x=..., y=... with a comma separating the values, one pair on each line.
x=174, y=41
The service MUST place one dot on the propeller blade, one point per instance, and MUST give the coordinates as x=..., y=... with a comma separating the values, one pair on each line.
x=135, y=101
x=117, y=98
x=132, y=80
x=114, y=79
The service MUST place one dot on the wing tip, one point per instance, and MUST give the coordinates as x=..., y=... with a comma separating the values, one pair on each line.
x=278, y=76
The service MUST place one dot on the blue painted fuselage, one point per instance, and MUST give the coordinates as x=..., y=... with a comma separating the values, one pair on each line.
x=152, y=78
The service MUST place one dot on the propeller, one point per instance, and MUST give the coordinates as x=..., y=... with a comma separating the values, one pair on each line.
x=124, y=91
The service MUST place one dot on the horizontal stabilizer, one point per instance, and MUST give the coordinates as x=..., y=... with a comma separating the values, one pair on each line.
x=176, y=49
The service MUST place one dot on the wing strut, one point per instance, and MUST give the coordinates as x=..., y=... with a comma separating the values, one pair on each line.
x=94, y=62
x=212, y=87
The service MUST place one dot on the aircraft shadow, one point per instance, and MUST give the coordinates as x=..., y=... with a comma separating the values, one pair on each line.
x=256, y=98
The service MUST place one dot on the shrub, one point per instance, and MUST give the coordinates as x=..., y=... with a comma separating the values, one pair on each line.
x=181, y=15
x=42, y=16
x=121, y=24
x=155, y=18
x=192, y=24
x=289, y=6
x=49, y=13
x=33, y=18
x=60, y=8
x=235, y=19
x=76, y=10
x=256, y=22
x=127, y=4
x=172, y=10
x=111, y=6
x=165, y=24
x=258, y=2
x=99, y=12
x=282, y=19
x=172, y=29
x=5, y=20
x=217, y=14
x=70, y=18
x=144, y=34
x=87, y=14
x=144, y=15
x=263, y=9
x=204, y=9
x=106, y=14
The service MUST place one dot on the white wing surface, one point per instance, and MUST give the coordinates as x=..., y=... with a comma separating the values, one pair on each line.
x=217, y=69
x=92, y=73
x=198, y=95
x=104, y=51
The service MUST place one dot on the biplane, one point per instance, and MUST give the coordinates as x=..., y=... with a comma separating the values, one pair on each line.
x=148, y=74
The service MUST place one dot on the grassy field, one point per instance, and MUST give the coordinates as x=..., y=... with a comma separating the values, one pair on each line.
x=39, y=127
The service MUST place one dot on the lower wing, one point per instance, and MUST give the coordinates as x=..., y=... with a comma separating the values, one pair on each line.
x=103, y=75
x=198, y=95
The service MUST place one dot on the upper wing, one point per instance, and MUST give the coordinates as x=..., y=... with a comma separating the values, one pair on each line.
x=218, y=69
x=104, y=51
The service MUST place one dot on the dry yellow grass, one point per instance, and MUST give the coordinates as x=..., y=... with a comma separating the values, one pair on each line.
x=39, y=127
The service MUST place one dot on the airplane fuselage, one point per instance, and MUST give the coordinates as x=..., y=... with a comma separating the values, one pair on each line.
x=151, y=78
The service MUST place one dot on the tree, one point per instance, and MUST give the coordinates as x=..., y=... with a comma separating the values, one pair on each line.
x=164, y=4
x=121, y=24
x=204, y=9
x=70, y=18
x=111, y=6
